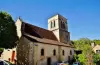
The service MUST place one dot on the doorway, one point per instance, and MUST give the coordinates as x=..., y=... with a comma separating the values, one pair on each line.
x=48, y=61
x=68, y=58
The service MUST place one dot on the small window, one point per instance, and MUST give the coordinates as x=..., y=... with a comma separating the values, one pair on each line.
x=66, y=37
x=63, y=52
x=54, y=23
x=8, y=50
x=51, y=24
x=97, y=51
x=42, y=52
x=70, y=52
x=54, y=52
x=63, y=25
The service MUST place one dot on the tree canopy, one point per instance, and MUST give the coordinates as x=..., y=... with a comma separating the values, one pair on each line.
x=96, y=58
x=87, y=55
x=8, y=35
x=97, y=41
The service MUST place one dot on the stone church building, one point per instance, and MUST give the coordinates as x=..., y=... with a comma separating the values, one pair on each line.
x=38, y=46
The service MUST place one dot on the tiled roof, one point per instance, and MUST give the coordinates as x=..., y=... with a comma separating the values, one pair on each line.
x=47, y=41
x=37, y=31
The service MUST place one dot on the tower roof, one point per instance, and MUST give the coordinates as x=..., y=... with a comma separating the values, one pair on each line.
x=59, y=15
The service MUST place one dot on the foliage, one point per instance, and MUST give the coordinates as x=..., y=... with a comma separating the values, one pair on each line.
x=96, y=41
x=8, y=35
x=9, y=63
x=87, y=55
x=1, y=49
x=84, y=45
x=82, y=58
x=79, y=44
x=96, y=58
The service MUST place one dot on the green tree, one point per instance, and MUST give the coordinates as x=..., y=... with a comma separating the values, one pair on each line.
x=79, y=44
x=82, y=58
x=96, y=41
x=96, y=59
x=84, y=45
x=8, y=35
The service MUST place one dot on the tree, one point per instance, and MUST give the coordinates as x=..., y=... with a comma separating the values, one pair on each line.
x=84, y=45
x=8, y=35
x=96, y=59
x=82, y=58
x=96, y=41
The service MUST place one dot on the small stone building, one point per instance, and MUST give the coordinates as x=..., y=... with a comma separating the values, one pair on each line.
x=38, y=46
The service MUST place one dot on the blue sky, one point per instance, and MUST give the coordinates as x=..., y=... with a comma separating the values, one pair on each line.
x=83, y=15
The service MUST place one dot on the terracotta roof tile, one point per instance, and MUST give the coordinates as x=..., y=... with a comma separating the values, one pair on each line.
x=38, y=32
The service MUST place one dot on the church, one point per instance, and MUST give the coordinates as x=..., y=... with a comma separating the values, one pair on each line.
x=39, y=46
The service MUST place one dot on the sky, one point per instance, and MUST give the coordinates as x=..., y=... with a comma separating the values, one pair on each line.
x=83, y=15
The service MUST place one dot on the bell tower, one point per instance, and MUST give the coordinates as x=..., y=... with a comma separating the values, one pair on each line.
x=58, y=25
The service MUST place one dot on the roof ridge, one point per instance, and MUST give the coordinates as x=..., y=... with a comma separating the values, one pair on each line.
x=36, y=26
x=44, y=33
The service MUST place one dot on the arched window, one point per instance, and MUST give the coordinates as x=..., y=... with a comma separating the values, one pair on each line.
x=51, y=24
x=42, y=52
x=54, y=23
x=54, y=52
x=67, y=38
x=63, y=52
x=61, y=24
x=64, y=25
x=70, y=52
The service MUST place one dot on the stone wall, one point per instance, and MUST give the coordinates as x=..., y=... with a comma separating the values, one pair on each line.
x=23, y=52
x=67, y=54
x=30, y=53
x=48, y=53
